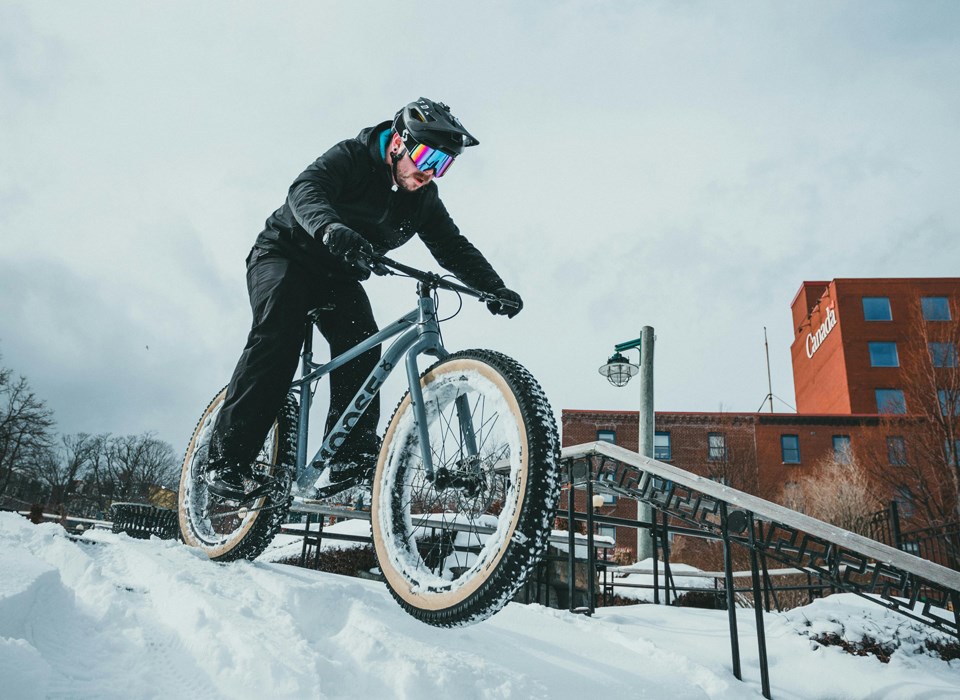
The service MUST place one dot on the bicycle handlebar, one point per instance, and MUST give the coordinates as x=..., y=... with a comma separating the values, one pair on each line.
x=382, y=265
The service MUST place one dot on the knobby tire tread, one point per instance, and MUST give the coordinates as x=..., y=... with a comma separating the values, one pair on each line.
x=539, y=502
x=267, y=522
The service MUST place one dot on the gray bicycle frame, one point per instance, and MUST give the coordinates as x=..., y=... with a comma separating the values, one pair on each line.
x=419, y=334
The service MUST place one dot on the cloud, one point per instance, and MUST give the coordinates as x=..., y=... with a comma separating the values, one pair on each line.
x=680, y=165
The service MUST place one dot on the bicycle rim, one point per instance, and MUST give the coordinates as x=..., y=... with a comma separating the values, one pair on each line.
x=224, y=531
x=454, y=551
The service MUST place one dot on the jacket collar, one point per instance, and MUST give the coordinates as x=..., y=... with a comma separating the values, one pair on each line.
x=370, y=137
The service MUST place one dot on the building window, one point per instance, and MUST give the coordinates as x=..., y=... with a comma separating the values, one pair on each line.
x=661, y=446
x=897, y=451
x=790, y=449
x=716, y=447
x=607, y=531
x=609, y=499
x=953, y=456
x=841, y=449
x=935, y=308
x=949, y=402
x=884, y=355
x=607, y=436
x=904, y=499
x=943, y=354
x=876, y=309
x=890, y=401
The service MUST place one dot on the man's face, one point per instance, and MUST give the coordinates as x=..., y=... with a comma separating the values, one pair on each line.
x=405, y=173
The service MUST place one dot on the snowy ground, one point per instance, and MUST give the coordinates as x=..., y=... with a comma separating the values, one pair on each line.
x=122, y=618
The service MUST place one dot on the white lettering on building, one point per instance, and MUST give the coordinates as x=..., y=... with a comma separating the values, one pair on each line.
x=815, y=340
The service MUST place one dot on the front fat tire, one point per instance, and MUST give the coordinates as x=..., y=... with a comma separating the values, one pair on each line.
x=516, y=431
x=243, y=537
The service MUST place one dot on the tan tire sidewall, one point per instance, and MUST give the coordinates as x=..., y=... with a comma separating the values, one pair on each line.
x=397, y=582
x=186, y=528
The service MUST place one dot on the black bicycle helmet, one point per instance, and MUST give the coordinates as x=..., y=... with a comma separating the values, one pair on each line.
x=432, y=124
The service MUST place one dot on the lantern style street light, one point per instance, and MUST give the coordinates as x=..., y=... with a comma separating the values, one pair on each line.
x=618, y=372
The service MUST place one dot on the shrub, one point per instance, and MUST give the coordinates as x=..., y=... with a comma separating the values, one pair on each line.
x=347, y=561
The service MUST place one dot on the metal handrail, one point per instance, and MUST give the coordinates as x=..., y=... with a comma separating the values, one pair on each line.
x=912, y=587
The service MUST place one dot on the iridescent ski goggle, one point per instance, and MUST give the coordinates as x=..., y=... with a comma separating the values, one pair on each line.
x=426, y=158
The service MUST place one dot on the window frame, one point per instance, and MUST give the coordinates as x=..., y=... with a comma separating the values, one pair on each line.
x=947, y=359
x=611, y=535
x=783, y=448
x=954, y=459
x=902, y=403
x=876, y=349
x=612, y=433
x=897, y=451
x=943, y=395
x=866, y=315
x=906, y=500
x=924, y=308
x=711, y=455
x=669, y=445
x=844, y=455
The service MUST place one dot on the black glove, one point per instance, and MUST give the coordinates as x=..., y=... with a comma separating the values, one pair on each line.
x=346, y=243
x=513, y=303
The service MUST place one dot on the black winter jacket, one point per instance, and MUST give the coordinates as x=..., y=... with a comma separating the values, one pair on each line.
x=351, y=184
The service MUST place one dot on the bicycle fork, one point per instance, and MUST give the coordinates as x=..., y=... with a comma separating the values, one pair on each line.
x=429, y=343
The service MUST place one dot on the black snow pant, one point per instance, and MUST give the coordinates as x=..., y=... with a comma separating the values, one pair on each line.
x=281, y=294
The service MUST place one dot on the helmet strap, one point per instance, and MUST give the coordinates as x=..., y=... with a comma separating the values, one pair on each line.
x=396, y=157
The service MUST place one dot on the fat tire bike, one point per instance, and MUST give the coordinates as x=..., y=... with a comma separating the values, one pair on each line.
x=465, y=485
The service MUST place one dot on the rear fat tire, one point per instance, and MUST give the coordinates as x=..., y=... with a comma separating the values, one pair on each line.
x=515, y=424
x=246, y=536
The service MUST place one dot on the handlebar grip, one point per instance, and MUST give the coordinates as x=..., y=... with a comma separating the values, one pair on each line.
x=506, y=303
x=374, y=263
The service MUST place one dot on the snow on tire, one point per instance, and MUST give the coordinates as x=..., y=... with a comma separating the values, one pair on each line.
x=217, y=528
x=454, y=550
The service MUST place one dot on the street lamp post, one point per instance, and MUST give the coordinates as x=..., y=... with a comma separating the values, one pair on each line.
x=618, y=372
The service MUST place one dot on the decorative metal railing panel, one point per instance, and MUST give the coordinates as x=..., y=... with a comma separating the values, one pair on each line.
x=916, y=588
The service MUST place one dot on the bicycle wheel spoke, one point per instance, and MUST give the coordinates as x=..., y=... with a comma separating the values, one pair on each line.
x=447, y=544
x=225, y=530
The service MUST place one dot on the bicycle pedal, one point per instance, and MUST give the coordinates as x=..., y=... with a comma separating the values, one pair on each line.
x=328, y=490
x=239, y=499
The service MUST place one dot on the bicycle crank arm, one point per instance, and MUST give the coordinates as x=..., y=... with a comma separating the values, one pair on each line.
x=242, y=512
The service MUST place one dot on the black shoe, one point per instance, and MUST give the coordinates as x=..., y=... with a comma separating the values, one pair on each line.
x=225, y=481
x=354, y=468
x=342, y=475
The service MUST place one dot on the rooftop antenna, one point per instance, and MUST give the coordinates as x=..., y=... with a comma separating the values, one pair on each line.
x=766, y=347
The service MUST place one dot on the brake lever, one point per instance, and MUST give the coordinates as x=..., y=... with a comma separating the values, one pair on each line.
x=505, y=303
x=372, y=263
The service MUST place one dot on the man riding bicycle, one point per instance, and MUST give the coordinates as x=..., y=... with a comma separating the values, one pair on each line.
x=366, y=195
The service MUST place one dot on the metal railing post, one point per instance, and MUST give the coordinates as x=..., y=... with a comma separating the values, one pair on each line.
x=306, y=536
x=591, y=564
x=656, y=564
x=731, y=599
x=758, y=611
x=667, y=574
x=895, y=525
x=571, y=543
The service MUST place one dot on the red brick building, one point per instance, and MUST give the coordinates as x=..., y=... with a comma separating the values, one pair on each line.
x=859, y=348
x=855, y=337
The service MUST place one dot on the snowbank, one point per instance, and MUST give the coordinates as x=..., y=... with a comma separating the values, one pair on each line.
x=113, y=617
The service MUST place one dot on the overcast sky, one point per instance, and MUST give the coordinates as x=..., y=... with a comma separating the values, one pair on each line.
x=683, y=165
